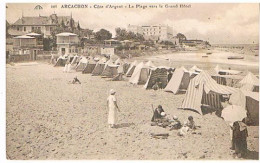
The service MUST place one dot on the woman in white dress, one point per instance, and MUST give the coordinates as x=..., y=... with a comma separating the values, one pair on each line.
x=113, y=108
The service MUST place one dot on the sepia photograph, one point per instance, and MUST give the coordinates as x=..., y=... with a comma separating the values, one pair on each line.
x=132, y=81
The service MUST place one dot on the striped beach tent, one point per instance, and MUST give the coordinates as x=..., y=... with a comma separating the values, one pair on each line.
x=179, y=82
x=204, y=90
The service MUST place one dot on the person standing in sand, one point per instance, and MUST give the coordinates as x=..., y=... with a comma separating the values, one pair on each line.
x=113, y=108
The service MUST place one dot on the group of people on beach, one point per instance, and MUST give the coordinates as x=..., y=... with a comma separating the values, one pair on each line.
x=239, y=132
x=160, y=118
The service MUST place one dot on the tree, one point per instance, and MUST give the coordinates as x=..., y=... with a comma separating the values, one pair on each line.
x=122, y=34
x=102, y=35
x=62, y=24
x=78, y=27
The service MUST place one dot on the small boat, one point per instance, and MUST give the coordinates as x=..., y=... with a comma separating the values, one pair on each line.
x=209, y=53
x=205, y=56
x=235, y=57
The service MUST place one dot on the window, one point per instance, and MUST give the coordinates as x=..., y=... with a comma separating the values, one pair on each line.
x=17, y=28
x=32, y=28
x=24, y=28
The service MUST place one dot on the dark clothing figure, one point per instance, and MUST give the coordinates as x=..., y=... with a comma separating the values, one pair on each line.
x=169, y=76
x=175, y=125
x=76, y=80
x=157, y=113
x=239, y=138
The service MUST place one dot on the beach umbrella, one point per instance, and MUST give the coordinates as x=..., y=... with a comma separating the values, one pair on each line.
x=233, y=113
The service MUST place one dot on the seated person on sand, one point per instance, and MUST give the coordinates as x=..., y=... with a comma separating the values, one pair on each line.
x=155, y=86
x=157, y=114
x=191, y=123
x=175, y=124
x=184, y=130
x=76, y=80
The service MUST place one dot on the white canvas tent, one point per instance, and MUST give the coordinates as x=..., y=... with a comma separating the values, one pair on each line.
x=131, y=69
x=195, y=69
x=149, y=64
x=82, y=64
x=250, y=78
x=100, y=65
x=91, y=64
x=205, y=90
x=179, y=81
x=110, y=70
x=248, y=101
x=140, y=74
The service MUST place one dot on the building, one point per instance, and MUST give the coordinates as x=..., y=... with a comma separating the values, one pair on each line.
x=135, y=29
x=193, y=43
x=155, y=33
x=44, y=24
x=28, y=45
x=67, y=43
x=112, y=43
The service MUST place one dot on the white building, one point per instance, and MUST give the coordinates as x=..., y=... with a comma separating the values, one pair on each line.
x=67, y=43
x=155, y=33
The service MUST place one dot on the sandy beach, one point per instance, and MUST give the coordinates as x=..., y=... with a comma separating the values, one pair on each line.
x=48, y=118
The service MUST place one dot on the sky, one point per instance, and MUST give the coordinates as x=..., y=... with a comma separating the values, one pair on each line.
x=217, y=23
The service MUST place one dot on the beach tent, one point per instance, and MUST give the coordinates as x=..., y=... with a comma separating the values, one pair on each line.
x=119, y=62
x=91, y=64
x=82, y=64
x=250, y=83
x=110, y=70
x=251, y=79
x=203, y=90
x=180, y=81
x=228, y=80
x=149, y=64
x=126, y=67
x=233, y=113
x=61, y=61
x=140, y=74
x=249, y=101
x=99, y=67
x=195, y=69
x=74, y=60
x=118, y=77
x=157, y=73
x=221, y=71
x=131, y=69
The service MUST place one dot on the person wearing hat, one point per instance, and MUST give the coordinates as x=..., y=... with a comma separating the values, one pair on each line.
x=158, y=113
x=113, y=108
x=175, y=123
